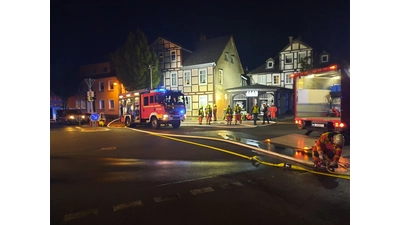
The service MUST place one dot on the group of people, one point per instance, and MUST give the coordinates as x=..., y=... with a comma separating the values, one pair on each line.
x=269, y=113
x=208, y=113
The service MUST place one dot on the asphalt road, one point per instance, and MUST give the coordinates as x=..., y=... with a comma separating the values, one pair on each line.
x=124, y=176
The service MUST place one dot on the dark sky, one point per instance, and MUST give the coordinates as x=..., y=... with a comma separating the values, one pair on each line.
x=84, y=32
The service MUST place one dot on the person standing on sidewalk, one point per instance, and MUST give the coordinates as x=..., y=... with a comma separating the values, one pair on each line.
x=208, y=114
x=201, y=115
x=238, y=116
x=229, y=114
x=215, y=112
x=255, y=111
x=265, y=113
x=273, y=110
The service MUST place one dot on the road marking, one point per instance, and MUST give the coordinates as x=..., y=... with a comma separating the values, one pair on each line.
x=127, y=205
x=73, y=216
x=201, y=190
x=231, y=185
x=107, y=148
x=175, y=196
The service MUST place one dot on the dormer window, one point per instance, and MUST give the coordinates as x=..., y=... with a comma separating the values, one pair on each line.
x=324, y=58
x=270, y=65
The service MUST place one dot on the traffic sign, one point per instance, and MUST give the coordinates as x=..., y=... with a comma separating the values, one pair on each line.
x=94, y=117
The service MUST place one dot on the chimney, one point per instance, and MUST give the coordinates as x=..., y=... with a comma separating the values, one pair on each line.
x=202, y=37
x=290, y=39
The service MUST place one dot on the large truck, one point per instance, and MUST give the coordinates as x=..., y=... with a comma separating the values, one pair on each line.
x=322, y=100
x=153, y=107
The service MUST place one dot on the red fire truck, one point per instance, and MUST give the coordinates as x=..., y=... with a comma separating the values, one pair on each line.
x=322, y=100
x=153, y=107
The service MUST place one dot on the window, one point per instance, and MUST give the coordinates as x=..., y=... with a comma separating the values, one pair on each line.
x=110, y=85
x=270, y=65
x=83, y=104
x=188, y=78
x=101, y=104
x=288, y=59
x=261, y=79
x=288, y=80
x=226, y=56
x=101, y=86
x=276, y=79
x=232, y=58
x=105, y=69
x=220, y=76
x=174, y=79
x=189, y=102
x=160, y=57
x=146, y=101
x=203, y=76
x=173, y=56
x=77, y=104
x=203, y=101
x=151, y=99
x=111, y=104
x=301, y=56
x=324, y=58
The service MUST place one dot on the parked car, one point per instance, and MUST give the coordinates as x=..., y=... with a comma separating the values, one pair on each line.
x=70, y=116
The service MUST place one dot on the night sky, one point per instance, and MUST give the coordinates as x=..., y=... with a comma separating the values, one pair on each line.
x=83, y=32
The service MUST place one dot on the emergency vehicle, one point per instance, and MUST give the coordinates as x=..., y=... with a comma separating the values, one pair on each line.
x=322, y=100
x=153, y=107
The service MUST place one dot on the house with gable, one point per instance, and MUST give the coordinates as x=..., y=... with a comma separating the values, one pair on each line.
x=205, y=73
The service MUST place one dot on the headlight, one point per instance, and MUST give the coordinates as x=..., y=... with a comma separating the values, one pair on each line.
x=83, y=117
x=165, y=116
x=71, y=117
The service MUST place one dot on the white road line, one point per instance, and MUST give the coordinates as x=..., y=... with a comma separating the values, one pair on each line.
x=201, y=190
x=175, y=196
x=127, y=205
x=73, y=216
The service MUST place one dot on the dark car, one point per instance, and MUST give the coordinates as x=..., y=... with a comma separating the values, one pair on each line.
x=70, y=116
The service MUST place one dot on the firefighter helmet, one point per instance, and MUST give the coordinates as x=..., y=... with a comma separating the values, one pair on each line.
x=201, y=107
x=338, y=139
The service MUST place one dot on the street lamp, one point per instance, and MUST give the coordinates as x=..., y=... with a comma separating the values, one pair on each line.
x=151, y=76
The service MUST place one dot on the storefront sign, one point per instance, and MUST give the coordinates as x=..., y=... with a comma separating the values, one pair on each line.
x=252, y=94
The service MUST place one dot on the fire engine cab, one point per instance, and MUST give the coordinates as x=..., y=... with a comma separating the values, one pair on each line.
x=152, y=107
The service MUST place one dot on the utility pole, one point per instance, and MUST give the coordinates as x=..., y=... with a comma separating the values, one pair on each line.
x=151, y=76
x=90, y=82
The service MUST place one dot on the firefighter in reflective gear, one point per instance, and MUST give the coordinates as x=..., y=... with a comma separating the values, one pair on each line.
x=228, y=115
x=238, y=116
x=255, y=111
x=273, y=111
x=208, y=114
x=328, y=148
x=201, y=115
x=215, y=112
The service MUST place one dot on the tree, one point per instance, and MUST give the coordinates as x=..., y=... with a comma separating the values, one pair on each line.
x=306, y=63
x=132, y=60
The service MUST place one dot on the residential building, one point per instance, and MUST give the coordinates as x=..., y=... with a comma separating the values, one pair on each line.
x=104, y=84
x=203, y=74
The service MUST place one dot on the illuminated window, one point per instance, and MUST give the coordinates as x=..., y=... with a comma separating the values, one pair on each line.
x=101, y=86
x=111, y=104
x=203, y=101
x=276, y=79
x=288, y=59
x=173, y=56
x=221, y=76
x=174, y=79
x=77, y=104
x=261, y=79
x=189, y=105
x=188, y=78
x=101, y=104
x=301, y=56
x=111, y=85
x=203, y=76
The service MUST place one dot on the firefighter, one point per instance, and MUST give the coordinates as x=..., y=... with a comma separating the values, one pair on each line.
x=201, y=115
x=238, y=116
x=266, y=113
x=208, y=114
x=255, y=111
x=328, y=147
x=229, y=113
x=215, y=112
x=273, y=110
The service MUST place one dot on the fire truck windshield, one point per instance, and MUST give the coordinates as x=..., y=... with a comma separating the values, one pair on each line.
x=175, y=98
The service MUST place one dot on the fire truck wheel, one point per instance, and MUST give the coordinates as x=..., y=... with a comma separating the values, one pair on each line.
x=127, y=122
x=154, y=123
x=176, y=124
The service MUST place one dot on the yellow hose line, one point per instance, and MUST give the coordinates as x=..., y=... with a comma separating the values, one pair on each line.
x=281, y=165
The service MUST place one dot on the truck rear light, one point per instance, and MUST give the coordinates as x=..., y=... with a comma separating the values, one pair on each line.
x=341, y=125
x=298, y=121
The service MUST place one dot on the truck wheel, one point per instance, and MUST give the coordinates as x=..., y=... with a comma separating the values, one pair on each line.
x=127, y=122
x=176, y=124
x=154, y=123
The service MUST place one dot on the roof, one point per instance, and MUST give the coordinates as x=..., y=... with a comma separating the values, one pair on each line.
x=298, y=40
x=258, y=87
x=207, y=51
x=171, y=42
x=263, y=67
